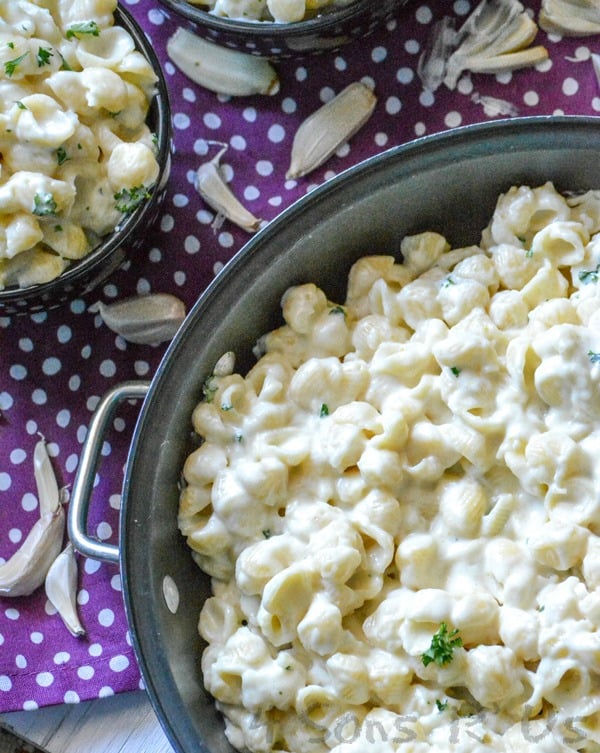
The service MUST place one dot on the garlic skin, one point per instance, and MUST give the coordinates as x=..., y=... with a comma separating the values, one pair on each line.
x=144, y=319
x=216, y=193
x=61, y=589
x=570, y=18
x=219, y=69
x=26, y=570
x=318, y=137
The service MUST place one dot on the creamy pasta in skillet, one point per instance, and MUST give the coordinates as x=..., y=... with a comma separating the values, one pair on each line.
x=280, y=11
x=399, y=504
x=76, y=153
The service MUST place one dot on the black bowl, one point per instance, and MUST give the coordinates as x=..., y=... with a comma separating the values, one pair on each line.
x=85, y=274
x=324, y=33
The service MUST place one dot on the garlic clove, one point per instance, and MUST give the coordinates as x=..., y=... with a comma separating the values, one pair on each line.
x=26, y=570
x=219, y=69
x=217, y=194
x=318, y=137
x=144, y=319
x=61, y=589
x=47, y=486
x=509, y=61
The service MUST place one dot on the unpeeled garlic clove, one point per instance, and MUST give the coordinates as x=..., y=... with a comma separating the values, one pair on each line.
x=61, y=589
x=26, y=570
x=217, y=194
x=45, y=479
x=570, y=18
x=219, y=69
x=144, y=319
x=329, y=127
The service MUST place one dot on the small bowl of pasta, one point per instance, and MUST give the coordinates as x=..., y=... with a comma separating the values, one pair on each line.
x=282, y=28
x=86, y=148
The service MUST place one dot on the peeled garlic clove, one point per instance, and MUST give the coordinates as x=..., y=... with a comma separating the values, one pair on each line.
x=570, y=18
x=220, y=69
x=61, y=589
x=47, y=486
x=144, y=319
x=329, y=127
x=509, y=61
x=26, y=570
x=217, y=194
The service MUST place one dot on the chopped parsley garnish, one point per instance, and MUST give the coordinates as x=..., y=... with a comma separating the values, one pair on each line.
x=43, y=56
x=589, y=276
x=267, y=533
x=447, y=282
x=11, y=65
x=86, y=27
x=442, y=646
x=455, y=370
x=44, y=204
x=61, y=155
x=337, y=310
x=226, y=407
x=529, y=253
x=10, y=45
x=130, y=198
x=20, y=105
x=324, y=410
x=594, y=357
x=58, y=228
x=441, y=705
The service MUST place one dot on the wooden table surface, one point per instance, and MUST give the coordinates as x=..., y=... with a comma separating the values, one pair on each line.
x=123, y=723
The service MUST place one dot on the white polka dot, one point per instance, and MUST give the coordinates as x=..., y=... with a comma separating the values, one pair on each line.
x=83, y=597
x=104, y=531
x=249, y=114
x=142, y=368
x=423, y=14
x=15, y=535
x=6, y=401
x=212, y=120
x=531, y=98
x=115, y=501
x=71, y=463
x=115, y=582
x=288, y=105
x=340, y=64
x=191, y=244
x=393, y=105
x=251, y=193
x=51, y=366
x=20, y=661
x=404, y=75
x=108, y=368
x=12, y=614
x=238, y=142
x=29, y=502
x=180, y=200
x=36, y=638
x=71, y=697
x=264, y=167
x=381, y=139
x=276, y=133
x=5, y=683
x=95, y=649
x=105, y=692
x=63, y=418
x=225, y=240
x=119, y=663
x=5, y=481
x=156, y=17
x=426, y=98
x=378, y=54
x=74, y=382
x=26, y=344
x=62, y=657
x=18, y=372
x=301, y=74
x=106, y=617
x=44, y=679
x=570, y=86
x=17, y=456
x=188, y=94
x=412, y=46
x=86, y=672
x=453, y=119
x=181, y=121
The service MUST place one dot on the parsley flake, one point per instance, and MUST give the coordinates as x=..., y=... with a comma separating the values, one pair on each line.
x=43, y=56
x=86, y=27
x=447, y=282
x=337, y=310
x=267, y=533
x=589, y=276
x=44, y=204
x=441, y=705
x=11, y=65
x=455, y=370
x=20, y=105
x=61, y=155
x=209, y=388
x=324, y=410
x=593, y=356
x=130, y=198
x=443, y=644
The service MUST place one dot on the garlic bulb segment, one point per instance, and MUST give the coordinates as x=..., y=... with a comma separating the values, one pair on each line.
x=219, y=69
x=217, y=194
x=26, y=570
x=145, y=319
x=45, y=479
x=318, y=137
x=61, y=589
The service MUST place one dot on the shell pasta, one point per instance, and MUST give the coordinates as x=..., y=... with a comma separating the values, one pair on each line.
x=398, y=505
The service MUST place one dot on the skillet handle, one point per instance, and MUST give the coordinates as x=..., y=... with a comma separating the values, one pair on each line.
x=84, y=478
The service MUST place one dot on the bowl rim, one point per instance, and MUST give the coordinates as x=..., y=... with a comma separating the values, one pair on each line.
x=268, y=29
x=18, y=296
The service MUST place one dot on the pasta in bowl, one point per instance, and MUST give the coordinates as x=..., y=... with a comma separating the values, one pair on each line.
x=85, y=145
x=397, y=504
